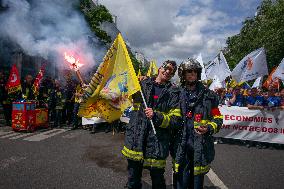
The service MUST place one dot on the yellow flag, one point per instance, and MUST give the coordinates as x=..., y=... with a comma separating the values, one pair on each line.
x=153, y=70
x=231, y=83
x=139, y=73
x=109, y=92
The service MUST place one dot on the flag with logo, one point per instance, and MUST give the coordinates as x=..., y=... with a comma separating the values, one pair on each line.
x=251, y=66
x=279, y=72
x=211, y=68
x=14, y=83
x=275, y=83
x=153, y=70
x=203, y=74
x=224, y=70
x=38, y=80
x=110, y=90
x=218, y=67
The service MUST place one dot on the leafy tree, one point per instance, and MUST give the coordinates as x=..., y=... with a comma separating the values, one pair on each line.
x=144, y=70
x=134, y=61
x=264, y=30
x=95, y=15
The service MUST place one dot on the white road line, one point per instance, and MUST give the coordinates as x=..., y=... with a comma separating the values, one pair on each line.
x=22, y=135
x=45, y=135
x=10, y=135
x=8, y=162
x=215, y=180
x=49, y=131
x=5, y=132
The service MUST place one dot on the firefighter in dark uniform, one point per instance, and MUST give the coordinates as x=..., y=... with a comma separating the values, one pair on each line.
x=69, y=91
x=77, y=97
x=142, y=146
x=27, y=90
x=201, y=119
x=3, y=96
x=57, y=101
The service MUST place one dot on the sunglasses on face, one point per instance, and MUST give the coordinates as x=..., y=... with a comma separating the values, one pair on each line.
x=192, y=71
x=169, y=68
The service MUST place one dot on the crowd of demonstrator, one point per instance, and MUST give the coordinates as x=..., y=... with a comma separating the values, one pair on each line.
x=58, y=96
x=253, y=98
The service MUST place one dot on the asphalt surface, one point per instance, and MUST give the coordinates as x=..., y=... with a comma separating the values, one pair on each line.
x=241, y=167
x=77, y=159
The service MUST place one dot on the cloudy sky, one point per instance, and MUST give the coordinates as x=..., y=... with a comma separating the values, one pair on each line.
x=178, y=29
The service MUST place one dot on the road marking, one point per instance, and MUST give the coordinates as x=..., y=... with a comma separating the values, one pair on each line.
x=12, y=160
x=5, y=132
x=45, y=135
x=22, y=135
x=10, y=135
x=216, y=180
x=48, y=131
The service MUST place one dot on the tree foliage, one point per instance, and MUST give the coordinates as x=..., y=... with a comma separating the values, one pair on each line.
x=95, y=15
x=144, y=70
x=264, y=30
x=134, y=61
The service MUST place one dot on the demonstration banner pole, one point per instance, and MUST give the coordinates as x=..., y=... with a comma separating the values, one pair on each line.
x=151, y=121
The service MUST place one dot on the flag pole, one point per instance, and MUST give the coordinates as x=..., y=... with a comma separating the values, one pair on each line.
x=151, y=121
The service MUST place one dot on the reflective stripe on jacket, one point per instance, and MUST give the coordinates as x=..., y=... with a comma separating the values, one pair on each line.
x=141, y=144
x=206, y=113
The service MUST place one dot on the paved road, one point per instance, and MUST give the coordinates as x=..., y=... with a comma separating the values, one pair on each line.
x=61, y=158
x=241, y=167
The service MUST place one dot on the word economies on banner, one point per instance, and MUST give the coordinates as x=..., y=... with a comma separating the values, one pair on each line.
x=257, y=125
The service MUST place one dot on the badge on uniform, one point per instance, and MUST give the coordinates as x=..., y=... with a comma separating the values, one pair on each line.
x=189, y=114
x=197, y=117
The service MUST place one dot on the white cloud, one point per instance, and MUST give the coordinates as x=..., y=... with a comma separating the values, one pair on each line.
x=166, y=29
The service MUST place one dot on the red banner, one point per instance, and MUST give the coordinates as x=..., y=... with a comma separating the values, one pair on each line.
x=14, y=83
x=38, y=79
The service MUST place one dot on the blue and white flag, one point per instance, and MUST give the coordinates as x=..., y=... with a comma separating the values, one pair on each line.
x=211, y=68
x=218, y=67
x=252, y=66
x=279, y=72
x=224, y=70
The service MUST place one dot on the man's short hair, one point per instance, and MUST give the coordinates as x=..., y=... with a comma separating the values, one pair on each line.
x=172, y=62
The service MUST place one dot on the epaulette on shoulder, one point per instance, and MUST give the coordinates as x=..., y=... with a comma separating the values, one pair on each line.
x=210, y=94
x=175, y=88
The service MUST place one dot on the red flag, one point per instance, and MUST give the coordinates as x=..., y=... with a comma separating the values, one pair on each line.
x=14, y=83
x=38, y=79
x=270, y=81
